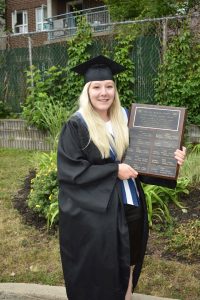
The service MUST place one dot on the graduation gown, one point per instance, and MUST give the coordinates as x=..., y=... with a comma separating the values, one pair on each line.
x=94, y=240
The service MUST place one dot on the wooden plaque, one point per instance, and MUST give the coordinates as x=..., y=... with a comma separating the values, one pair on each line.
x=155, y=134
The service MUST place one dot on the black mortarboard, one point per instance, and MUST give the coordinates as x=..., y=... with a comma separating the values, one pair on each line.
x=98, y=68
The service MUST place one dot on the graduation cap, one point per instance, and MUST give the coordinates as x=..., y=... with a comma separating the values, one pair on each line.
x=98, y=68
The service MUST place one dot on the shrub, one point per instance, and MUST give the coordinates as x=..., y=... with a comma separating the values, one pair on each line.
x=46, y=89
x=57, y=85
x=53, y=116
x=5, y=110
x=43, y=197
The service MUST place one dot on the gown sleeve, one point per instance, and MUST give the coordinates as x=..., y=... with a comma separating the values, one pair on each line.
x=87, y=184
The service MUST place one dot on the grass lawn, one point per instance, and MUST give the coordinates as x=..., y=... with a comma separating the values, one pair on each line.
x=27, y=255
x=31, y=255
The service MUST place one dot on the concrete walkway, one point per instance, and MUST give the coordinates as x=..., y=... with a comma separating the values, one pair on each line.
x=23, y=291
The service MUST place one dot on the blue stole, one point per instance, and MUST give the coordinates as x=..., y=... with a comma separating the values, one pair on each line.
x=128, y=187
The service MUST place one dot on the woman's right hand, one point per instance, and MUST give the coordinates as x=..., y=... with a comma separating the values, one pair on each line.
x=125, y=172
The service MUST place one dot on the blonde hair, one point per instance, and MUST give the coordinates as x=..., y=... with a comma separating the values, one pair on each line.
x=97, y=127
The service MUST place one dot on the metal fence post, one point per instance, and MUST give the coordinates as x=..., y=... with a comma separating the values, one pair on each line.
x=164, y=23
x=30, y=59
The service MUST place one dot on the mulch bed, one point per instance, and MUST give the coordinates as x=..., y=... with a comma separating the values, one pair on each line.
x=29, y=217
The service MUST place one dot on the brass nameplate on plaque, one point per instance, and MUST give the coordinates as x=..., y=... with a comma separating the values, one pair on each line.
x=155, y=134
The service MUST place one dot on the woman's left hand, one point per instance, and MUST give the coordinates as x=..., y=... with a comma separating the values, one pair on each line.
x=180, y=155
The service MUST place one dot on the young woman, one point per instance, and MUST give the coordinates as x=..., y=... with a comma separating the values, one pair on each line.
x=103, y=219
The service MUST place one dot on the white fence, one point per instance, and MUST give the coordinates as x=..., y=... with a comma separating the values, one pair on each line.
x=17, y=134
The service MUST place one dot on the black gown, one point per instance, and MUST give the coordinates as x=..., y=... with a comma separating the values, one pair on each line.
x=94, y=236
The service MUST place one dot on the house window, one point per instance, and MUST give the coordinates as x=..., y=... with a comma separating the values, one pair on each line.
x=20, y=21
x=41, y=16
x=74, y=6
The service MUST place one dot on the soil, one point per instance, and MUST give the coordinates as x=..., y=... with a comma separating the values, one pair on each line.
x=30, y=217
x=20, y=203
x=157, y=241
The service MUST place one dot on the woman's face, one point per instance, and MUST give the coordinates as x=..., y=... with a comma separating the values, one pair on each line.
x=102, y=95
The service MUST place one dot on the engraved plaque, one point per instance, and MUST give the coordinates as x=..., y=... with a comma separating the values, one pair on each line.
x=155, y=134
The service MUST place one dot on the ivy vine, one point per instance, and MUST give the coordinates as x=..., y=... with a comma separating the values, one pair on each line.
x=78, y=52
x=178, y=78
x=122, y=44
x=125, y=80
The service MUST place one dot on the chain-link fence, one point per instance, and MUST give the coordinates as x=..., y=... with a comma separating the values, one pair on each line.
x=19, y=52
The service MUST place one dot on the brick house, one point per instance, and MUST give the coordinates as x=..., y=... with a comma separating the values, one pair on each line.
x=24, y=17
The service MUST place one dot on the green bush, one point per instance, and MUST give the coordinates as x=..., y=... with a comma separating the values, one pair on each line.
x=57, y=86
x=5, y=110
x=46, y=89
x=53, y=116
x=2, y=7
x=43, y=197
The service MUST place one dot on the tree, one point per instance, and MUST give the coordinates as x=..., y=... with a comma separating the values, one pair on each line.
x=159, y=8
x=132, y=9
x=2, y=7
x=126, y=9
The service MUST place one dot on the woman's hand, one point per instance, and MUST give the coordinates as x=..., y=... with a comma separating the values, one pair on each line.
x=125, y=172
x=180, y=155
